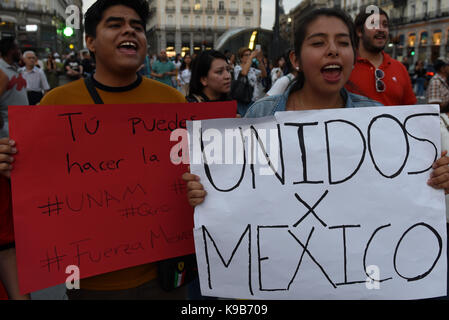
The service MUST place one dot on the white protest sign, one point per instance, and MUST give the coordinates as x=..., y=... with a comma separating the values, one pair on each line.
x=341, y=210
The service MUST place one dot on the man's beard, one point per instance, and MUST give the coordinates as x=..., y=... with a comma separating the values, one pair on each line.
x=369, y=46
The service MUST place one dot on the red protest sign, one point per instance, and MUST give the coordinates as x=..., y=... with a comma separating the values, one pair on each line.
x=94, y=186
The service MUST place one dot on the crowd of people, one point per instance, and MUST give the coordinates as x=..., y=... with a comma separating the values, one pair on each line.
x=335, y=63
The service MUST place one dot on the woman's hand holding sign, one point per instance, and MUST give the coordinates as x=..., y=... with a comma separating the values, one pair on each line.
x=195, y=190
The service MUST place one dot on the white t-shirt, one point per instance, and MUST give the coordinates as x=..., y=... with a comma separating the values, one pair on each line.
x=280, y=85
x=184, y=76
x=255, y=79
x=276, y=74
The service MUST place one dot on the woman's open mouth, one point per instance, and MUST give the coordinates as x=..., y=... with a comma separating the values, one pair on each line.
x=332, y=72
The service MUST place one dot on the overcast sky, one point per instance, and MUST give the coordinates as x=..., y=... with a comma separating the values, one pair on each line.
x=267, y=10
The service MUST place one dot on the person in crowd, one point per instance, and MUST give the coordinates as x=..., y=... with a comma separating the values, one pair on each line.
x=184, y=75
x=211, y=78
x=324, y=54
x=116, y=39
x=51, y=71
x=420, y=75
x=145, y=68
x=163, y=69
x=252, y=67
x=12, y=85
x=12, y=92
x=73, y=68
x=210, y=82
x=177, y=62
x=438, y=89
x=278, y=71
x=266, y=82
x=281, y=85
x=87, y=63
x=232, y=62
x=376, y=75
x=405, y=63
x=37, y=84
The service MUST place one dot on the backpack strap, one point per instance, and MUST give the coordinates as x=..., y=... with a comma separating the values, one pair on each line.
x=91, y=88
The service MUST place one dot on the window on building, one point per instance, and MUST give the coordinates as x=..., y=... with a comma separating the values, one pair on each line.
x=170, y=20
x=197, y=5
x=221, y=5
x=197, y=21
x=209, y=21
x=233, y=4
x=233, y=21
x=209, y=4
x=248, y=22
x=185, y=20
x=221, y=22
x=436, y=38
x=411, y=39
x=424, y=38
x=401, y=40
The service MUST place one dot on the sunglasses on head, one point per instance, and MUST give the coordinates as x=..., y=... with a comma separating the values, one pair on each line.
x=380, y=85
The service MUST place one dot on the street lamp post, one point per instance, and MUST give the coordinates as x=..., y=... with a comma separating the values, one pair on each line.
x=276, y=42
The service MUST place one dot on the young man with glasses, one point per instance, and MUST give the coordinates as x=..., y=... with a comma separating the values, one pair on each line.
x=376, y=75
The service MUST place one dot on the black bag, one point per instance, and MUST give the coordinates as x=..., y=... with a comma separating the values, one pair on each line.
x=241, y=90
x=176, y=272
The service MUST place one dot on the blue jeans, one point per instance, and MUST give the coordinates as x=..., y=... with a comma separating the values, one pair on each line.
x=242, y=107
x=420, y=86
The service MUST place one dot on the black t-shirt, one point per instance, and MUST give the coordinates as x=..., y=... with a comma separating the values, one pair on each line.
x=88, y=65
x=74, y=64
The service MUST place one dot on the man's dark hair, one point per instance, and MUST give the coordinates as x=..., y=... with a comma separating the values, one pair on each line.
x=7, y=44
x=200, y=68
x=360, y=19
x=94, y=14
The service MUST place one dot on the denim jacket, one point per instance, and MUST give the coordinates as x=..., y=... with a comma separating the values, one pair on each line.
x=271, y=104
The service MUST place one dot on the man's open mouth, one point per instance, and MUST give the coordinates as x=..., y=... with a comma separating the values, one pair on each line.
x=128, y=47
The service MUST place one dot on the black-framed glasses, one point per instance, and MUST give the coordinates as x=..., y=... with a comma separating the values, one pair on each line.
x=380, y=85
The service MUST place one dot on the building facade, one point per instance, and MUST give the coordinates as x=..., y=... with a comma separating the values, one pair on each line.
x=189, y=26
x=38, y=25
x=419, y=29
x=288, y=21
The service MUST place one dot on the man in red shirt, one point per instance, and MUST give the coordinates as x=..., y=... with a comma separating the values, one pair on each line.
x=376, y=75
